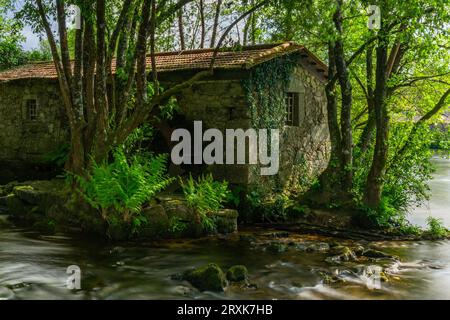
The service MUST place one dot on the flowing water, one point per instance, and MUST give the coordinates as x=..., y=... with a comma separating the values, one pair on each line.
x=34, y=267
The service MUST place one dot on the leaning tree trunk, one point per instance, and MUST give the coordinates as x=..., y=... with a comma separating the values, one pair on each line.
x=216, y=23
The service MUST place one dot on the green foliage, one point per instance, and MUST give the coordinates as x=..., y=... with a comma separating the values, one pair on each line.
x=59, y=155
x=265, y=92
x=235, y=195
x=410, y=229
x=406, y=180
x=11, y=53
x=440, y=140
x=386, y=215
x=436, y=227
x=206, y=196
x=123, y=186
x=177, y=226
x=275, y=208
x=138, y=139
x=258, y=205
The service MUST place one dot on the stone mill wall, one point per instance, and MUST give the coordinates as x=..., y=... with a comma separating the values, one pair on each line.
x=304, y=149
x=27, y=138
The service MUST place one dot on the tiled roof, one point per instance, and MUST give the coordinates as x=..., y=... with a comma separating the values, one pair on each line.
x=242, y=58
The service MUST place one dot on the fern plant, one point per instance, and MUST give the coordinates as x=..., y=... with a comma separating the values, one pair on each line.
x=124, y=185
x=206, y=196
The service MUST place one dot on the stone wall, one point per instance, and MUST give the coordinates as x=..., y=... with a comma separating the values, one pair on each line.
x=24, y=140
x=304, y=149
x=219, y=104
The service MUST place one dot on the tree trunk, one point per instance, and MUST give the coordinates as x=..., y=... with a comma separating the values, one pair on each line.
x=181, y=29
x=366, y=136
x=374, y=185
x=202, y=23
x=346, y=109
x=216, y=23
x=332, y=173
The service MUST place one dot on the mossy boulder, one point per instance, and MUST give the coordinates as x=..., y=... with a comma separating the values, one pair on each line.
x=277, y=247
x=28, y=198
x=330, y=279
x=341, y=253
x=238, y=273
x=21, y=211
x=248, y=238
x=207, y=278
x=178, y=210
x=226, y=220
x=318, y=247
x=157, y=222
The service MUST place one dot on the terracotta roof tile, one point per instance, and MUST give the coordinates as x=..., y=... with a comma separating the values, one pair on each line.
x=244, y=57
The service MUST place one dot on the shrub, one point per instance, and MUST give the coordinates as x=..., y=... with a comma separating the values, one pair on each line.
x=406, y=179
x=123, y=185
x=436, y=228
x=206, y=196
x=59, y=155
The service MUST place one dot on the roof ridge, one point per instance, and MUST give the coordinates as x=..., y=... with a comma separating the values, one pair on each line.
x=243, y=57
x=225, y=49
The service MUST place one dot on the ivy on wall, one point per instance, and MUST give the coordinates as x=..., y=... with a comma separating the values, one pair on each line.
x=265, y=91
x=265, y=94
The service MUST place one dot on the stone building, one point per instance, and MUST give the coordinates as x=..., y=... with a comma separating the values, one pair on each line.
x=277, y=86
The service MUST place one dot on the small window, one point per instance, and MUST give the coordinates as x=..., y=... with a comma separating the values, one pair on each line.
x=292, y=109
x=32, y=111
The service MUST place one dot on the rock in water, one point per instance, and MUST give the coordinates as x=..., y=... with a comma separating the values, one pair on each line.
x=277, y=247
x=238, y=273
x=207, y=278
x=6, y=293
x=372, y=253
x=341, y=253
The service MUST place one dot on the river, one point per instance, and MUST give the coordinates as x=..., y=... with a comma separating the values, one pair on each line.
x=34, y=267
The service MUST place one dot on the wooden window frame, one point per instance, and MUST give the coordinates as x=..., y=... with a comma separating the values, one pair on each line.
x=31, y=107
x=292, y=105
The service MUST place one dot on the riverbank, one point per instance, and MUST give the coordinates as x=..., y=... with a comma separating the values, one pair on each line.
x=48, y=206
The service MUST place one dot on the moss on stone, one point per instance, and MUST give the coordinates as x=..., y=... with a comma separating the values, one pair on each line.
x=237, y=273
x=207, y=278
x=277, y=247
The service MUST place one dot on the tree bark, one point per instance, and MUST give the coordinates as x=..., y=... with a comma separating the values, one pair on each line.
x=216, y=23
x=374, y=185
x=97, y=122
x=202, y=24
x=366, y=136
x=346, y=108
x=181, y=29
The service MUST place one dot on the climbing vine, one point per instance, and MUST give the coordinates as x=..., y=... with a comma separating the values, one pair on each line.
x=264, y=90
x=265, y=94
